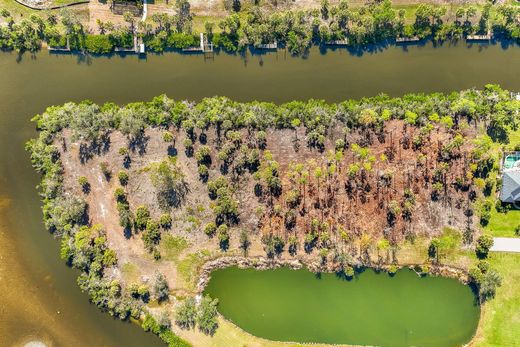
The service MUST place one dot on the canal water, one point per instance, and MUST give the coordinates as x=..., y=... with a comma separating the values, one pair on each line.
x=40, y=299
x=371, y=309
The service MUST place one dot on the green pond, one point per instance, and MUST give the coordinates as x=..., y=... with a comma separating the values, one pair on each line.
x=371, y=309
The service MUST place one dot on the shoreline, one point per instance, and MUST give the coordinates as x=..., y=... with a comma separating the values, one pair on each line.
x=264, y=264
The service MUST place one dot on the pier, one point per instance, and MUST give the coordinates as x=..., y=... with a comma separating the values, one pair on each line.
x=60, y=49
x=337, y=43
x=407, y=39
x=204, y=46
x=486, y=37
x=268, y=46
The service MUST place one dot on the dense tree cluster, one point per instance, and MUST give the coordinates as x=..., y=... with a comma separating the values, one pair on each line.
x=189, y=314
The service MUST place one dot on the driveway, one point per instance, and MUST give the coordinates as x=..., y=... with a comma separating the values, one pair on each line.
x=506, y=244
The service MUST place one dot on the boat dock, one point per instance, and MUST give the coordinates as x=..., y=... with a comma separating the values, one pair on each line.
x=486, y=37
x=60, y=49
x=407, y=39
x=204, y=46
x=337, y=43
x=268, y=46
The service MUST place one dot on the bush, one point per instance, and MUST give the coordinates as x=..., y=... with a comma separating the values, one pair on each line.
x=223, y=236
x=83, y=183
x=180, y=40
x=126, y=219
x=123, y=178
x=485, y=213
x=105, y=170
x=165, y=221
x=210, y=228
x=160, y=287
x=99, y=44
x=167, y=136
x=186, y=314
x=151, y=236
x=120, y=194
x=501, y=207
x=142, y=216
x=484, y=243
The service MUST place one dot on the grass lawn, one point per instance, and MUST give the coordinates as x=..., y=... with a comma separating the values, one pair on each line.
x=16, y=9
x=503, y=224
x=500, y=321
x=172, y=246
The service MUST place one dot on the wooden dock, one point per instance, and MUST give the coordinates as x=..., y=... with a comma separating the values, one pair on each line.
x=268, y=46
x=138, y=47
x=60, y=49
x=486, y=37
x=407, y=39
x=203, y=47
x=337, y=43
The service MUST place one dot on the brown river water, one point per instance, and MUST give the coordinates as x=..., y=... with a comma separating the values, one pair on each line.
x=40, y=300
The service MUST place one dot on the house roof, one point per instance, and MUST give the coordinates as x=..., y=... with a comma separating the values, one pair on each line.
x=510, y=191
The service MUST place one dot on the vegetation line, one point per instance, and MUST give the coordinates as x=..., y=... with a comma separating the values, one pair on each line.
x=296, y=30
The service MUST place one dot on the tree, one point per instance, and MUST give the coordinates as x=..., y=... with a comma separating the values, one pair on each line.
x=84, y=184
x=484, y=243
x=186, y=314
x=168, y=180
x=207, y=315
x=489, y=284
x=223, y=236
x=129, y=18
x=142, y=216
x=160, y=287
x=244, y=241
x=443, y=245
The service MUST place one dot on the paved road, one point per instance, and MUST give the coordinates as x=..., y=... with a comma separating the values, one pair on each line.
x=506, y=244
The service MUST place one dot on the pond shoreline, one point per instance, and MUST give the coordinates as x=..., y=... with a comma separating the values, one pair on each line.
x=263, y=263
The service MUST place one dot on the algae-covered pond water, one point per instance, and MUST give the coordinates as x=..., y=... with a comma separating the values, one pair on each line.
x=371, y=309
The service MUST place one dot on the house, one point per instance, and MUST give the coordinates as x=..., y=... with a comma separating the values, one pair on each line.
x=510, y=191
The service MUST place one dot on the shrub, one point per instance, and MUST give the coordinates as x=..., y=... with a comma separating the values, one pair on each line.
x=223, y=236
x=123, y=178
x=165, y=221
x=99, y=44
x=126, y=218
x=392, y=269
x=142, y=216
x=105, y=170
x=485, y=212
x=83, y=183
x=484, y=243
x=180, y=40
x=501, y=207
x=143, y=292
x=120, y=194
x=167, y=136
x=151, y=236
x=160, y=287
x=210, y=228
